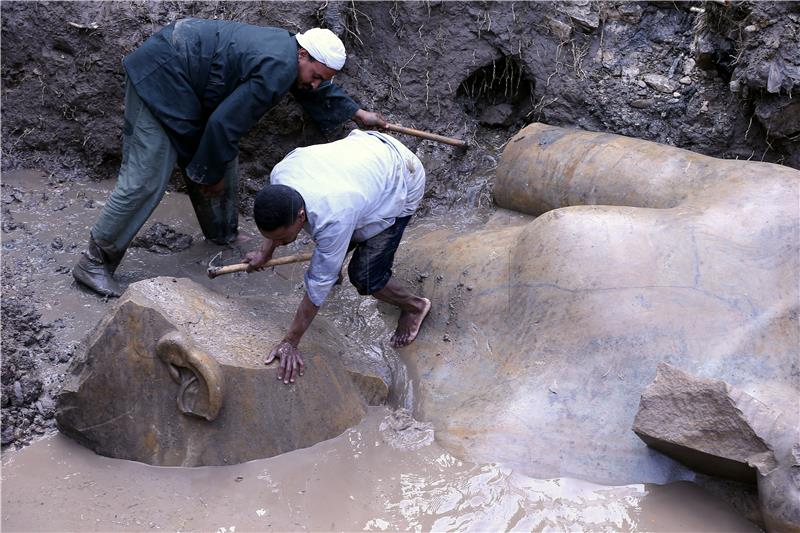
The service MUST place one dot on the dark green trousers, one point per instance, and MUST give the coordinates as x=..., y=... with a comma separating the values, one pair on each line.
x=148, y=159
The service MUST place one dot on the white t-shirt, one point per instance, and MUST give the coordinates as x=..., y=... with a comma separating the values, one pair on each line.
x=353, y=189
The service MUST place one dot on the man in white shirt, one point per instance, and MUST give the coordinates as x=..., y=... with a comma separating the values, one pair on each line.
x=356, y=193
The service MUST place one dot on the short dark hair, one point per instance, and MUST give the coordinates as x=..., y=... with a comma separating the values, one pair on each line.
x=276, y=206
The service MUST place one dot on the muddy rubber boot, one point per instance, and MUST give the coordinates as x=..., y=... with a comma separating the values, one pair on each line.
x=93, y=271
x=113, y=260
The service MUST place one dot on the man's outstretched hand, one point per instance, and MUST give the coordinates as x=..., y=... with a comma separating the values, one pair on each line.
x=369, y=120
x=291, y=359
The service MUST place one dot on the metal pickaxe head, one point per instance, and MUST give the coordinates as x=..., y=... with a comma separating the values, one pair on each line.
x=216, y=268
x=215, y=262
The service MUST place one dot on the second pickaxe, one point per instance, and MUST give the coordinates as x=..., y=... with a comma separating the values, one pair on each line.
x=215, y=268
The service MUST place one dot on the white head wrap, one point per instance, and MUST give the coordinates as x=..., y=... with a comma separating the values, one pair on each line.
x=324, y=46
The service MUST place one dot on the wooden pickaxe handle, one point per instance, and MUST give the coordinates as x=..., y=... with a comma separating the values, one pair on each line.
x=426, y=135
x=241, y=267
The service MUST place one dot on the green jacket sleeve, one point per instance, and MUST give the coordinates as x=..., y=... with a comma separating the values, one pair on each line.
x=328, y=105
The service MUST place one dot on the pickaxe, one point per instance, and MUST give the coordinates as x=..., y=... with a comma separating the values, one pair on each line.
x=215, y=268
x=427, y=135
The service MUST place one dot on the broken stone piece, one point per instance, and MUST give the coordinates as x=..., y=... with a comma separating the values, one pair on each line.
x=704, y=424
x=173, y=376
x=642, y=103
x=719, y=430
x=660, y=83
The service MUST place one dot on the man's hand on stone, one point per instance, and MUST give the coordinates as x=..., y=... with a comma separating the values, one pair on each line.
x=212, y=190
x=291, y=359
x=369, y=120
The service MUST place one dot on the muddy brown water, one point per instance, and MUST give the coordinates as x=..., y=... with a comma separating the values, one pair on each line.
x=357, y=481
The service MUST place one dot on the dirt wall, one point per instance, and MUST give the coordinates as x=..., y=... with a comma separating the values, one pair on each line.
x=713, y=77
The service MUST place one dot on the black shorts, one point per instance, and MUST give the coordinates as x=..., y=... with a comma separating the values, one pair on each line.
x=371, y=265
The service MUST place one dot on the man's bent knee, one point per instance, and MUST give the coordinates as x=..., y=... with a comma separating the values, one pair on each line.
x=365, y=283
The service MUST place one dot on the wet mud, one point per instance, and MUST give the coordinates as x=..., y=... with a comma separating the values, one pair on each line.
x=162, y=239
x=355, y=482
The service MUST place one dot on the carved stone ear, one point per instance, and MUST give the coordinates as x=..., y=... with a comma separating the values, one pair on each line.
x=198, y=374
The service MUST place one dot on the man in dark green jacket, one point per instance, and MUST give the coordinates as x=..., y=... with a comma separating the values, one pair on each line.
x=192, y=90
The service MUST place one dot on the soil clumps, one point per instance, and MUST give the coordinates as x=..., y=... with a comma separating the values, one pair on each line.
x=162, y=239
x=27, y=409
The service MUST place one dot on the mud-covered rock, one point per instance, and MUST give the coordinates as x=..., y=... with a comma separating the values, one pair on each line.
x=174, y=376
x=162, y=239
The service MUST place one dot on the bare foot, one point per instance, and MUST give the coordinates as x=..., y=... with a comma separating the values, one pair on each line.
x=408, y=325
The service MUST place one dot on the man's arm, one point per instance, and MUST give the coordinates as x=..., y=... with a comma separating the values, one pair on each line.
x=305, y=314
x=369, y=119
x=291, y=359
x=326, y=264
x=330, y=106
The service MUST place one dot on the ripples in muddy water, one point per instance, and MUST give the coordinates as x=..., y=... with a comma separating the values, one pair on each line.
x=354, y=482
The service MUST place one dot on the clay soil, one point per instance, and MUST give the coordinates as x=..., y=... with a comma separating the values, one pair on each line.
x=713, y=77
